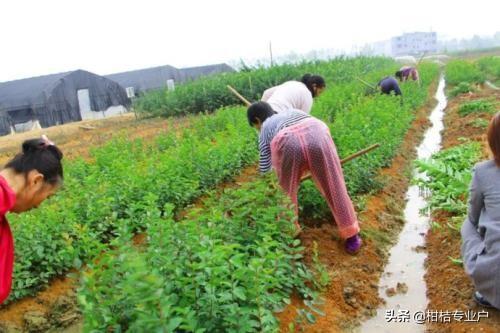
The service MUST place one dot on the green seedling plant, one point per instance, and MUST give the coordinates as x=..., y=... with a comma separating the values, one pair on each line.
x=448, y=175
x=461, y=88
x=480, y=105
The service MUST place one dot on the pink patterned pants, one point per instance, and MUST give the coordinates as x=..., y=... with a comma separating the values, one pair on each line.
x=308, y=146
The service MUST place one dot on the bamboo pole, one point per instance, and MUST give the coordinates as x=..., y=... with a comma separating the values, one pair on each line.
x=359, y=153
x=237, y=94
x=365, y=83
x=353, y=156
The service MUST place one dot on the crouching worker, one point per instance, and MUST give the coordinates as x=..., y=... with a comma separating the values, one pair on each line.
x=406, y=72
x=31, y=177
x=481, y=229
x=292, y=142
x=388, y=85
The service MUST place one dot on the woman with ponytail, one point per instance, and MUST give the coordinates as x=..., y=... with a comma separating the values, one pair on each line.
x=26, y=181
x=295, y=94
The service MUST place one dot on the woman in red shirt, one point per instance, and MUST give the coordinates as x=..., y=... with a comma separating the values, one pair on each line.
x=28, y=179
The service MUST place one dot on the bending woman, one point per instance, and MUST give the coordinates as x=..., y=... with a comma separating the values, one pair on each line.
x=294, y=94
x=293, y=143
x=406, y=72
x=388, y=85
x=481, y=229
x=27, y=180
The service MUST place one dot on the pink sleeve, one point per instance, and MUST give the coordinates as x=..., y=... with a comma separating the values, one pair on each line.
x=6, y=259
x=7, y=200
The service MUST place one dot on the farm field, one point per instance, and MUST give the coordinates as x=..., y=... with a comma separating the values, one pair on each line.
x=167, y=226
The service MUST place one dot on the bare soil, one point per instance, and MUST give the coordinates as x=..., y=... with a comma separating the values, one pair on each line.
x=54, y=307
x=448, y=287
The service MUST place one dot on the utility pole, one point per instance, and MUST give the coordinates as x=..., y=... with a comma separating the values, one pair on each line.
x=271, y=53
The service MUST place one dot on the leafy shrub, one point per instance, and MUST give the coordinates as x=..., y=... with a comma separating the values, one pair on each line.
x=476, y=106
x=458, y=71
x=226, y=268
x=461, y=88
x=210, y=93
x=490, y=66
x=117, y=186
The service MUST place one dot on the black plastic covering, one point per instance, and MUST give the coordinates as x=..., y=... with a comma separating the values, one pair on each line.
x=53, y=99
x=143, y=80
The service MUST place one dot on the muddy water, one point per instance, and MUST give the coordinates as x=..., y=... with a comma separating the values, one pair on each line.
x=401, y=312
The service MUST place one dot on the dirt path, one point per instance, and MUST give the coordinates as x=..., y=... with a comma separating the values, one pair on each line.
x=449, y=288
x=353, y=291
x=76, y=141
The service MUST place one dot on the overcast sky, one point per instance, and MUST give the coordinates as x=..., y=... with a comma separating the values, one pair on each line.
x=105, y=36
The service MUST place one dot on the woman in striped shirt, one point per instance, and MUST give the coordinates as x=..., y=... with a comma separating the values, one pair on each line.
x=293, y=143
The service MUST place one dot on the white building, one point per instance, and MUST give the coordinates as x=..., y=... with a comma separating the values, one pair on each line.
x=414, y=43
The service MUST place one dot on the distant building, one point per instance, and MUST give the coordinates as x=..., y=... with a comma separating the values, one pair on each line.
x=382, y=48
x=162, y=77
x=414, y=43
x=58, y=99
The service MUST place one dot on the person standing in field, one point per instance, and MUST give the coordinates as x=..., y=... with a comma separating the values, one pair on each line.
x=28, y=179
x=388, y=85
x=294, y=94
x=481, y=229
x=293, y=143
x=407, y=72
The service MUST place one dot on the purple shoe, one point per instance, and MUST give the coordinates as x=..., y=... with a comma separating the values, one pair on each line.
x=353, y=244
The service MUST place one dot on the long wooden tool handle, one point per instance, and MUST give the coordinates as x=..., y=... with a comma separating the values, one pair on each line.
x=359, y=153
x=243, y=99
x=353, y=156
x=365, y=83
